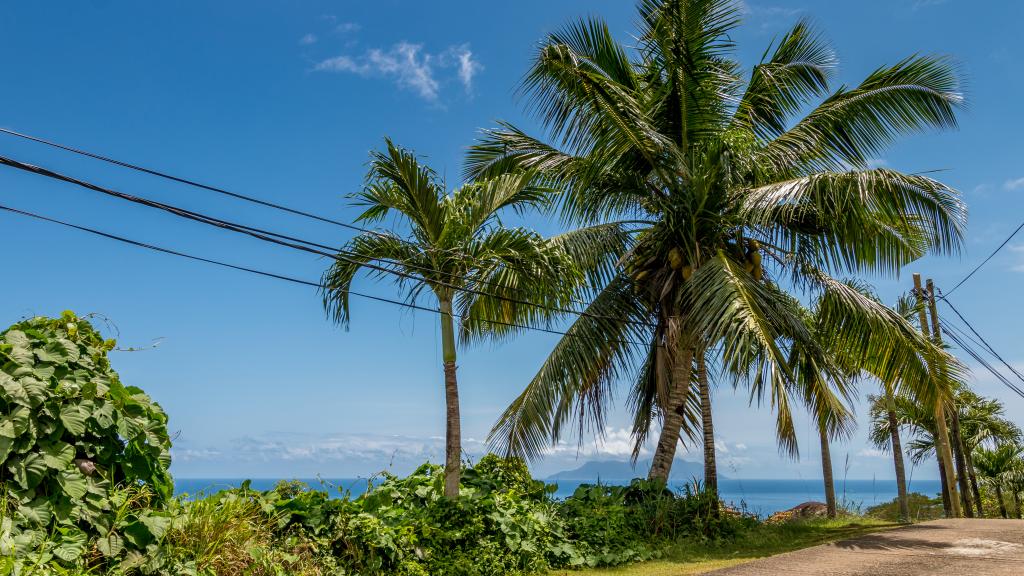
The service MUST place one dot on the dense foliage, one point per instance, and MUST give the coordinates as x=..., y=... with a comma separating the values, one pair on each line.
x=921, y=508
x=504, y=522
x=70, y=434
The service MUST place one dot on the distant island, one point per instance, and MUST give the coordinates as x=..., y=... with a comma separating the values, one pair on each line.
x=619, y=471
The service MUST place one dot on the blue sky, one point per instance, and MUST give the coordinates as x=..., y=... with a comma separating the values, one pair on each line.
x=283, y=100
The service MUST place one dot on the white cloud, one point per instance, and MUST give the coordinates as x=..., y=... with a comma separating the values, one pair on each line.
x=348, y=27
x=409, y=66
x=1014, y=184
x=614, y=443
x=308, y=39
x=872, y=453
x=741, y=446
x=467, y=67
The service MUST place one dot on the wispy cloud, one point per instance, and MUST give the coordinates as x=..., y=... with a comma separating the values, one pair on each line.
x=348, y=27
x=920, y=4
x=1018, y=250
x=409, y=66
x=308, y=39
x=872, y=453
x=1014, y=184
x=769, y=16
x=466, y=66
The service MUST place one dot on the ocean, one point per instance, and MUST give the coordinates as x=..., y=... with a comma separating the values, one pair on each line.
x=761, y=497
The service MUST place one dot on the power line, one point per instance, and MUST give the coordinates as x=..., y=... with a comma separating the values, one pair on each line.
x=985, y=261
x=981, y=338
x=288, y=241
x=961, y=341
x=187, y=181
x=297, y=280
x=236, y=195
x=982, y=361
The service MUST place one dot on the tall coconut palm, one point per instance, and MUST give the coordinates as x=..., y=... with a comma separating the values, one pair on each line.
x=885, y=423
x=825, y=391
x=458, y=251
x=733, y=203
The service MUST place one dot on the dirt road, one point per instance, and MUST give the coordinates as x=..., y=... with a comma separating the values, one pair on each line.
x=944, y=547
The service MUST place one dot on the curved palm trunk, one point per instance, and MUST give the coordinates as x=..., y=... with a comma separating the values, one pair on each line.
x=946, y=505
x=1002, y=503
x=453, y=431
x=975, y=490
x=826, y=471
x=707, y=427
x=897, y=457
x=672, y=421
x=961, y=464
x=942, y=444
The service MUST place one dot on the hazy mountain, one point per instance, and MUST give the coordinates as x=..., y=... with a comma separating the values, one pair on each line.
x=623, y=470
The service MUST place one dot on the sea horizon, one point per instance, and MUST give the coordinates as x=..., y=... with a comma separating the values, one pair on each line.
x=760, y=496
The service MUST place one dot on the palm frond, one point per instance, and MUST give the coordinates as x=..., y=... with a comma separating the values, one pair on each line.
x=576, y=380
x=854, y=125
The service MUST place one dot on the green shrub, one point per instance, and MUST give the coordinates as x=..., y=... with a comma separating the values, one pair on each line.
x=83, y=458
x=921, y=508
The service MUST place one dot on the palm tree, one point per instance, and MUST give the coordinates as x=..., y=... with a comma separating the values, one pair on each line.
x=885, y=423
x=997, y=468
x=824, y=390
x=731, y=204
x=981, y=423
x=885, y=435
x=458, y=251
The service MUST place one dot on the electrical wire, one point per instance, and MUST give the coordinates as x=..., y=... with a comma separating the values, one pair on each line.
x=236, y=195
x=187, y=181
x=296, y=280
x=985, y=261
x=991, y=350
x=288, y=241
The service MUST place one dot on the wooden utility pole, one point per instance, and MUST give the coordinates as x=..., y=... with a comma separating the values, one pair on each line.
x=942, y=447
x=954, y=413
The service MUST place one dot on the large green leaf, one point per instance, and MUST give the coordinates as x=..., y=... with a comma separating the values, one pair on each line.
x=28, y=471
x=73, y=417
x=38, y=511
x=110, y=545
x=73, y=482
x=71, y=545
x=58, y=455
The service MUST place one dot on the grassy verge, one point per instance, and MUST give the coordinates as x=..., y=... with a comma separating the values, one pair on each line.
x=758, y=542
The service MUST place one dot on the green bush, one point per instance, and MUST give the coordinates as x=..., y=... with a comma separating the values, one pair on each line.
x=921, y=508
x=83, y=458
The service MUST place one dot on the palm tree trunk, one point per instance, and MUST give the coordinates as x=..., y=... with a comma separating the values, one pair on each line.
x=1002, y=504
x=946, y=508
x=707, y=426
x=901, y=472
x=826, y=471
x=942, y=446
x=453, y=431
x=961, y=464
x=672, y=421
x=974, y=483
x=1016, y=504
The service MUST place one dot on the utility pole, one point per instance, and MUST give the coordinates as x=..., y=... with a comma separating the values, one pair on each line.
x=957, y=439
x=942, y=449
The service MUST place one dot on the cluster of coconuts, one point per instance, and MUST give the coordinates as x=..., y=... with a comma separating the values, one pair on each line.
x=752, y=260
x=640, y=268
